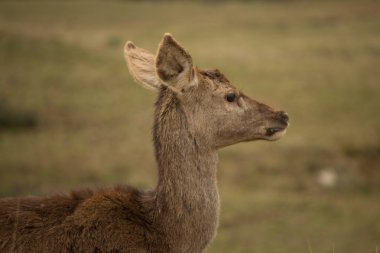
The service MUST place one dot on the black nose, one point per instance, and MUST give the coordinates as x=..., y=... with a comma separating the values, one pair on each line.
x=284, y=117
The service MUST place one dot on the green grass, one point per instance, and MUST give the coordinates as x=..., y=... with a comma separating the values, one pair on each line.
x=71, y=116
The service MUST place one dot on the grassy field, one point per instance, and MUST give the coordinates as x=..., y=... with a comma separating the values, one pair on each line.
x=71, y=116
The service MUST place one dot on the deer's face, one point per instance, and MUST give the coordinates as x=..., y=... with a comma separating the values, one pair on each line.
x=223, y=115
x=217, y=112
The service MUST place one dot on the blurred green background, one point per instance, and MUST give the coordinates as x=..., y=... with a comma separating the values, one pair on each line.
x=71, y=115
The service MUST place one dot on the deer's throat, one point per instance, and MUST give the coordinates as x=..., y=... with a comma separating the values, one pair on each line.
x=187, y=195
x=187, y=173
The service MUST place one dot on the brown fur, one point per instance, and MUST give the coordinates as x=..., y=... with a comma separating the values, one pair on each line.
x=192, y=120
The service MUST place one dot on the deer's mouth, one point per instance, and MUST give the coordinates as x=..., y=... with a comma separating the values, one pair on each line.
x=282, y=122
x=270, y=131
x=274, y=133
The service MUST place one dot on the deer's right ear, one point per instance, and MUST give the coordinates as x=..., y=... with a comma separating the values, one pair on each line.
x=174, y=65
x=141, y=66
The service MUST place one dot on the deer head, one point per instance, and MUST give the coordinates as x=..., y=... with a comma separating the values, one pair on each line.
x=217, y=113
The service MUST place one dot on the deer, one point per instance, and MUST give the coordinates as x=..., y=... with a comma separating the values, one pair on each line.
x=197, y=113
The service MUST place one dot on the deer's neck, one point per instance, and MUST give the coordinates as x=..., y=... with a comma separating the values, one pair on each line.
x=187, y=195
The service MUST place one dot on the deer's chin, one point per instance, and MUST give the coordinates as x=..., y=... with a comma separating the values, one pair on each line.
x=274, y=133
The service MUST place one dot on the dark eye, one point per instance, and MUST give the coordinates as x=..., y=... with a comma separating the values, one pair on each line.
x=230, y=97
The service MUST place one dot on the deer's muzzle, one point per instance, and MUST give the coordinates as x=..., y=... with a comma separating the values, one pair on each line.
x=282, y=122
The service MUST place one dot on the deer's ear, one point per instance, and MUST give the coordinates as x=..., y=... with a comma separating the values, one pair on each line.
x=141, y=66
x=174, y=65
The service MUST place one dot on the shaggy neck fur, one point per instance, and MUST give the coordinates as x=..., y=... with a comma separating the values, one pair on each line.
x=187, y=195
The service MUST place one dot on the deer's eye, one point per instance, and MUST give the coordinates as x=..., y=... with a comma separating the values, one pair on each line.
x=230, y=97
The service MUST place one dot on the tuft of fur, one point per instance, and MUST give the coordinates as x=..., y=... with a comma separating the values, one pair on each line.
x=102, y=220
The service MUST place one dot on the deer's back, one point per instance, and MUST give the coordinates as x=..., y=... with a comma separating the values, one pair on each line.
x=108, y=220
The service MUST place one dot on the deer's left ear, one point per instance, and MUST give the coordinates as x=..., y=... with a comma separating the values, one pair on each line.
x=174, y=65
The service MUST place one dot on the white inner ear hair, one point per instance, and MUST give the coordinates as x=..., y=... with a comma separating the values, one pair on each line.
x=181, y=83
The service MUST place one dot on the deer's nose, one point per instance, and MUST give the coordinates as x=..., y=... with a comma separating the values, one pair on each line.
x=284, y=117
